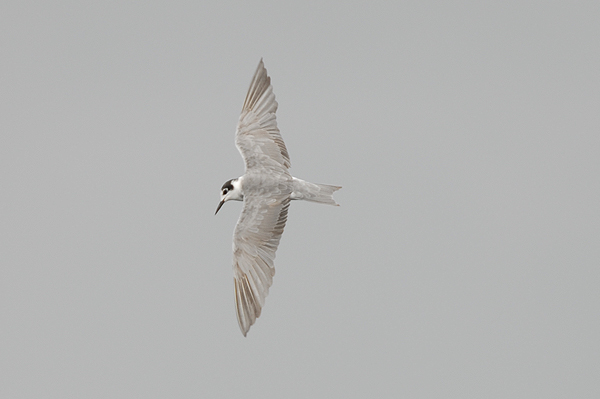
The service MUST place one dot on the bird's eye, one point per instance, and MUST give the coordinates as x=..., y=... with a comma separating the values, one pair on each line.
x=225, y=191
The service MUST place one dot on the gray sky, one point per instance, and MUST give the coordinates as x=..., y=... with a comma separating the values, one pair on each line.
x=463, y=262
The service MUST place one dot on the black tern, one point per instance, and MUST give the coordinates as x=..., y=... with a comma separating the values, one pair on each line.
x=266, y=189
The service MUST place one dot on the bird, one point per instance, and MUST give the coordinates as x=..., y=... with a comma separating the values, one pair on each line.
x=266, y=188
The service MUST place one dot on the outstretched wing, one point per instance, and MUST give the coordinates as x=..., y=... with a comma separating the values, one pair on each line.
x=255, y=241
x=257, y=136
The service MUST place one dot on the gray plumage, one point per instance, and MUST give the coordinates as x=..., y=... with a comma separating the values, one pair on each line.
x=266, y=188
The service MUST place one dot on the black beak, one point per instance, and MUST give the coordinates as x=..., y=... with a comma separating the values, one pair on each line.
x=219, y=207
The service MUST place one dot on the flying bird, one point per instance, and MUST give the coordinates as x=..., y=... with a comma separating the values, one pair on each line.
x=266, y=189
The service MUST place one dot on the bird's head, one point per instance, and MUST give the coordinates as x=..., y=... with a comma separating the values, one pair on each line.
x=231, y=191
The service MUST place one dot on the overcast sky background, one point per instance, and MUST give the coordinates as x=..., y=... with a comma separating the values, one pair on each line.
x=462, y=263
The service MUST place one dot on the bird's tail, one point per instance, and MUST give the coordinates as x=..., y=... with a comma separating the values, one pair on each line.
x=321, y=193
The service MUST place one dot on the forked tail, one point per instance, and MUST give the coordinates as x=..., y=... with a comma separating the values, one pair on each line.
x=321, y=193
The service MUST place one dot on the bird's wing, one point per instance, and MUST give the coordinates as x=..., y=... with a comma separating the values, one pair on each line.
x=257, y=136
x=255, y=241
